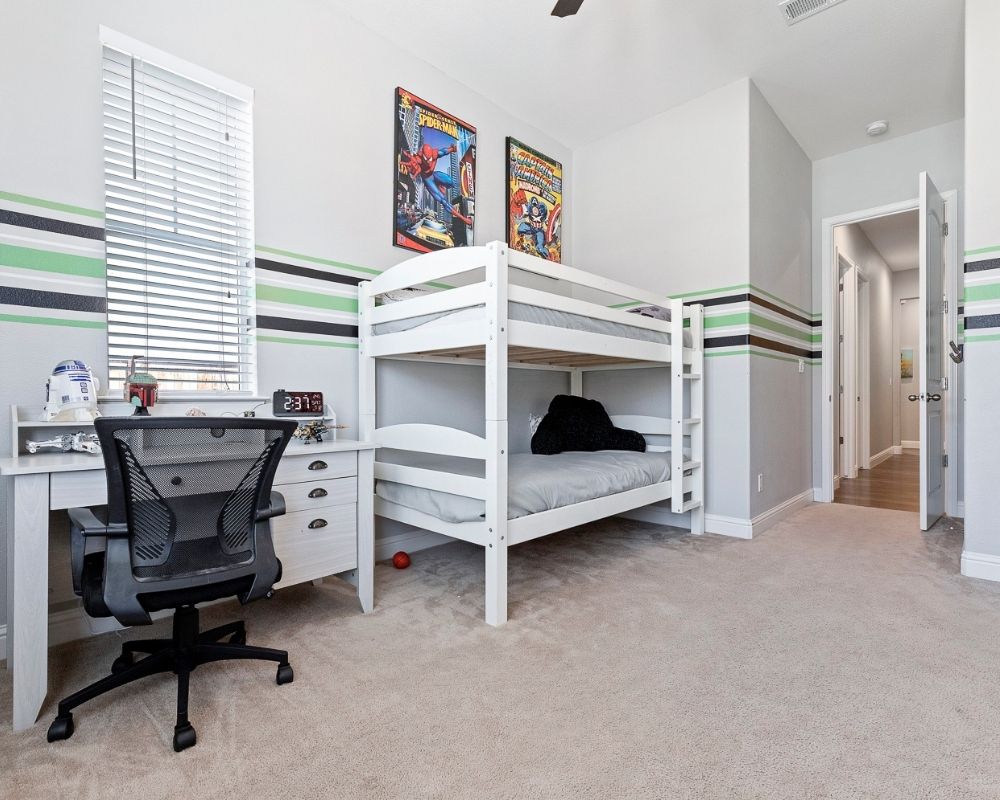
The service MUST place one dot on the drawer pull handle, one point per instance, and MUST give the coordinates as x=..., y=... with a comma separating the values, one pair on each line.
x=319, y=491
x=318, y=523
x=318, y=465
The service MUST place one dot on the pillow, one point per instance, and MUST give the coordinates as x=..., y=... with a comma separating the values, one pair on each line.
x=656, y=312
x=576, y=423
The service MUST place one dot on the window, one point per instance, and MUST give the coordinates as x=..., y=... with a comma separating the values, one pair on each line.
x=178, y=174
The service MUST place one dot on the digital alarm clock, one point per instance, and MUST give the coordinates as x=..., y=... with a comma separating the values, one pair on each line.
x=298, y=404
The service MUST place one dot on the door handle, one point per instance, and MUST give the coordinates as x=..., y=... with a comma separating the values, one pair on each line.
x=934, y=397
x=319, y=491
x=318, y=523
x=913, y=398
x=318, y=465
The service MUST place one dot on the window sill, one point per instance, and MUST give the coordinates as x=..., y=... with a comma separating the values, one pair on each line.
x=180, y=397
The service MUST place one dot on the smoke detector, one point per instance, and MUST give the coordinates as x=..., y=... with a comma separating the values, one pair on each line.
x=797, y=10
x=877, y=128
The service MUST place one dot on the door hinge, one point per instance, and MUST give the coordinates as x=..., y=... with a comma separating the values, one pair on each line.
x=841, y=337
x=944, y=460
x=944, y=384
x=841, y=439
x=945, y=229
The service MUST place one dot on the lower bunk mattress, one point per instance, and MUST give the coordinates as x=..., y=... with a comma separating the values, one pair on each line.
x=534, y=482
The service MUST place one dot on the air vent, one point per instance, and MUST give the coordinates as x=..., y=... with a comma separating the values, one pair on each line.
x=797, y=10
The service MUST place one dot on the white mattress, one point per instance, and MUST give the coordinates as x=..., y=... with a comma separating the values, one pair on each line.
x=534, y=483
x=523, y=312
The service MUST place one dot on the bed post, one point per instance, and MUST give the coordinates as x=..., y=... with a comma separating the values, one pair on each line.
x=677, y=406
x=496, y=434
x=366, y=366
x=576, y=382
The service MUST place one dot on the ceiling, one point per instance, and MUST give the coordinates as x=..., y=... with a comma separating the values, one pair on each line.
x=621, y=61
x=897, y=238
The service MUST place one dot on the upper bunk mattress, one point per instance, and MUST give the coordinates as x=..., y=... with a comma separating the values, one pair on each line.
x=534, y=482
x=523, y=312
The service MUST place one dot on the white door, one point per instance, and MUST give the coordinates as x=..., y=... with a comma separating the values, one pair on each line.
x=932, y=233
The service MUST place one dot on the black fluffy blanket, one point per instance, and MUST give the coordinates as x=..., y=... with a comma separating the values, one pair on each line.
x=576, y=423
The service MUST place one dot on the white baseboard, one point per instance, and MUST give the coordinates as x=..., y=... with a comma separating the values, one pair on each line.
x=878, y=458
x=909, y=445
x=836, y=483
x=981, y=565
x=897, y=449
x=960, y=509
x=773, y=516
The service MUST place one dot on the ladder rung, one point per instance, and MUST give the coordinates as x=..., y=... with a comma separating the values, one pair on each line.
x=688, y=465
x=692, y=376
x=690, y=504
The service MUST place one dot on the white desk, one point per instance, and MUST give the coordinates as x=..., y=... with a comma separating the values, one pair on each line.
x=318, y=480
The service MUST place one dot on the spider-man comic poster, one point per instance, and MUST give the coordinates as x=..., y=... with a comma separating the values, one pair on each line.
x=534, y=202
x=435, y=174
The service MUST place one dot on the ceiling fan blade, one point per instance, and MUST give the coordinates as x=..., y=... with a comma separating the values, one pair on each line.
x=566, y=8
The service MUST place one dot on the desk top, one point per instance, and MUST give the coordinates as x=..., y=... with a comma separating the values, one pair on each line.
x=54, y=461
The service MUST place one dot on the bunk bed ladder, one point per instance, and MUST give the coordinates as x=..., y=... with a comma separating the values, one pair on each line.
x=496, y=434
x=694, y=424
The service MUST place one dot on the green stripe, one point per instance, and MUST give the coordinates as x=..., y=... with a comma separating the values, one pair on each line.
x=314, y=342
x=325, y=261
x=991, y=337
x=37, y=201
x=297, y=297
x=988, y=291
x=978, y=252
x=813, y=362
x=749, y=318
x=49, y=261
x=710, y=291
x=816, y=338
x=64, y=323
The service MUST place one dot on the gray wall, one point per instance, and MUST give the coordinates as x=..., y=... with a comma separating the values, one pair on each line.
x=779, y=395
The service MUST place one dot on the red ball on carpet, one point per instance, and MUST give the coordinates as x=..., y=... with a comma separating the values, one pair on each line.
x=401, y=560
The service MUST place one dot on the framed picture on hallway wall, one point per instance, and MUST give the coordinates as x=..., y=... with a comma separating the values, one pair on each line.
x=534, y=202
x=435, y=177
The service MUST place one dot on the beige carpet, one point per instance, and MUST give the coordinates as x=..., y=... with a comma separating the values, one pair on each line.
x=838, y=655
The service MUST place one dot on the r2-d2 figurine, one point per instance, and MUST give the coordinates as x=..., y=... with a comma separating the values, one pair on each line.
x=71, y=393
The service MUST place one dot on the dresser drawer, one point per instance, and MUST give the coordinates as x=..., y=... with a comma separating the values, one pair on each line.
x=319, y=494
x=308, y=553
x=312, y=467
x=78, y=489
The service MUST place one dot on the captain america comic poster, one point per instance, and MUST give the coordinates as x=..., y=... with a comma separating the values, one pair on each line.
x=534, y=202
x=435, y=175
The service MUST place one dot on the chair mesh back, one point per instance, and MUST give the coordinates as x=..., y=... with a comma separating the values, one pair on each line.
x=192, y=493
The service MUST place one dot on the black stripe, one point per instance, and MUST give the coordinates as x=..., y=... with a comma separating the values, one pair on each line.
x=34, y=298
x=983, y=321
x=979, y=266
x=760, y=341
x=961, y=310
x=745, y=297
x=51, y=225
x=307, y=326
x=815, y=323
x=306, y=272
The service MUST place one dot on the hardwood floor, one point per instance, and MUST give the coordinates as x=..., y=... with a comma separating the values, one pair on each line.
x=895, y=483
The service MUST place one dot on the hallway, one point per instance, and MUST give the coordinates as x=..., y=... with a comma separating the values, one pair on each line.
x=894, y=484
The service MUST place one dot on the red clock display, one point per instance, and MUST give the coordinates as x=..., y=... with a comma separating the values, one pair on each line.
x=298, y=404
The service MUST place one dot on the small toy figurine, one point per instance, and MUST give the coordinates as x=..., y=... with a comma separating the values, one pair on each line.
x=71, y=393
x=140, y=389
x=311, y=431
x=79, y=441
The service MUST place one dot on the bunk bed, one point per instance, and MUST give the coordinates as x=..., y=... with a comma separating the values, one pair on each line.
x=470, y=487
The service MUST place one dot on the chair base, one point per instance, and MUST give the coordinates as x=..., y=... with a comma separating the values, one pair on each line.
x=182, y=654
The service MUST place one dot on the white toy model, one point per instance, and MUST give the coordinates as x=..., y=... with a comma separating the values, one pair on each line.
x=79, y=441
x=71, y=393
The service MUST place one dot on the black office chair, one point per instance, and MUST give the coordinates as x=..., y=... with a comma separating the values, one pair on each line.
x=189, y=499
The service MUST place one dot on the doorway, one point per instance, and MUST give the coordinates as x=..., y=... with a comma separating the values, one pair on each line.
x=878, y=264
x=870, y=296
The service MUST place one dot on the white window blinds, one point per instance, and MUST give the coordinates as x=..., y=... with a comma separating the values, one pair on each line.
x=178, y=177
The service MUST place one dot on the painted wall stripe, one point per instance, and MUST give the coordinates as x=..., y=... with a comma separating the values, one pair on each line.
x=982, y=250
x=306, y=326
x=35, y=298
x=979, y=266
x=297, y=297
x=982, y=321
x=40, y=203
x=306, y=272
x=314, y=342
x=35, y=222
x=69, y=323
x=326, y=261
x=987, y=291
x=49, y=261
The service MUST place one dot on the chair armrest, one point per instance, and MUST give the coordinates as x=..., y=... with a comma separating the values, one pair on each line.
x=86, y=522
x=275, y=508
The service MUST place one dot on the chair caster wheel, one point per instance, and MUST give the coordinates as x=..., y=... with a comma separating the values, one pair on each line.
x=184, y=737
x=238, y=638
x=61, y=728
x=122, y=663
x=285, y=674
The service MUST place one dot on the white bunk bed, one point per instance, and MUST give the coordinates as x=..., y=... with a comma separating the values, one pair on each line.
x=484, y=322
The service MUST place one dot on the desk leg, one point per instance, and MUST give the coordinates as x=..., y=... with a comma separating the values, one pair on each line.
x=366, y=529
x=29, y=611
